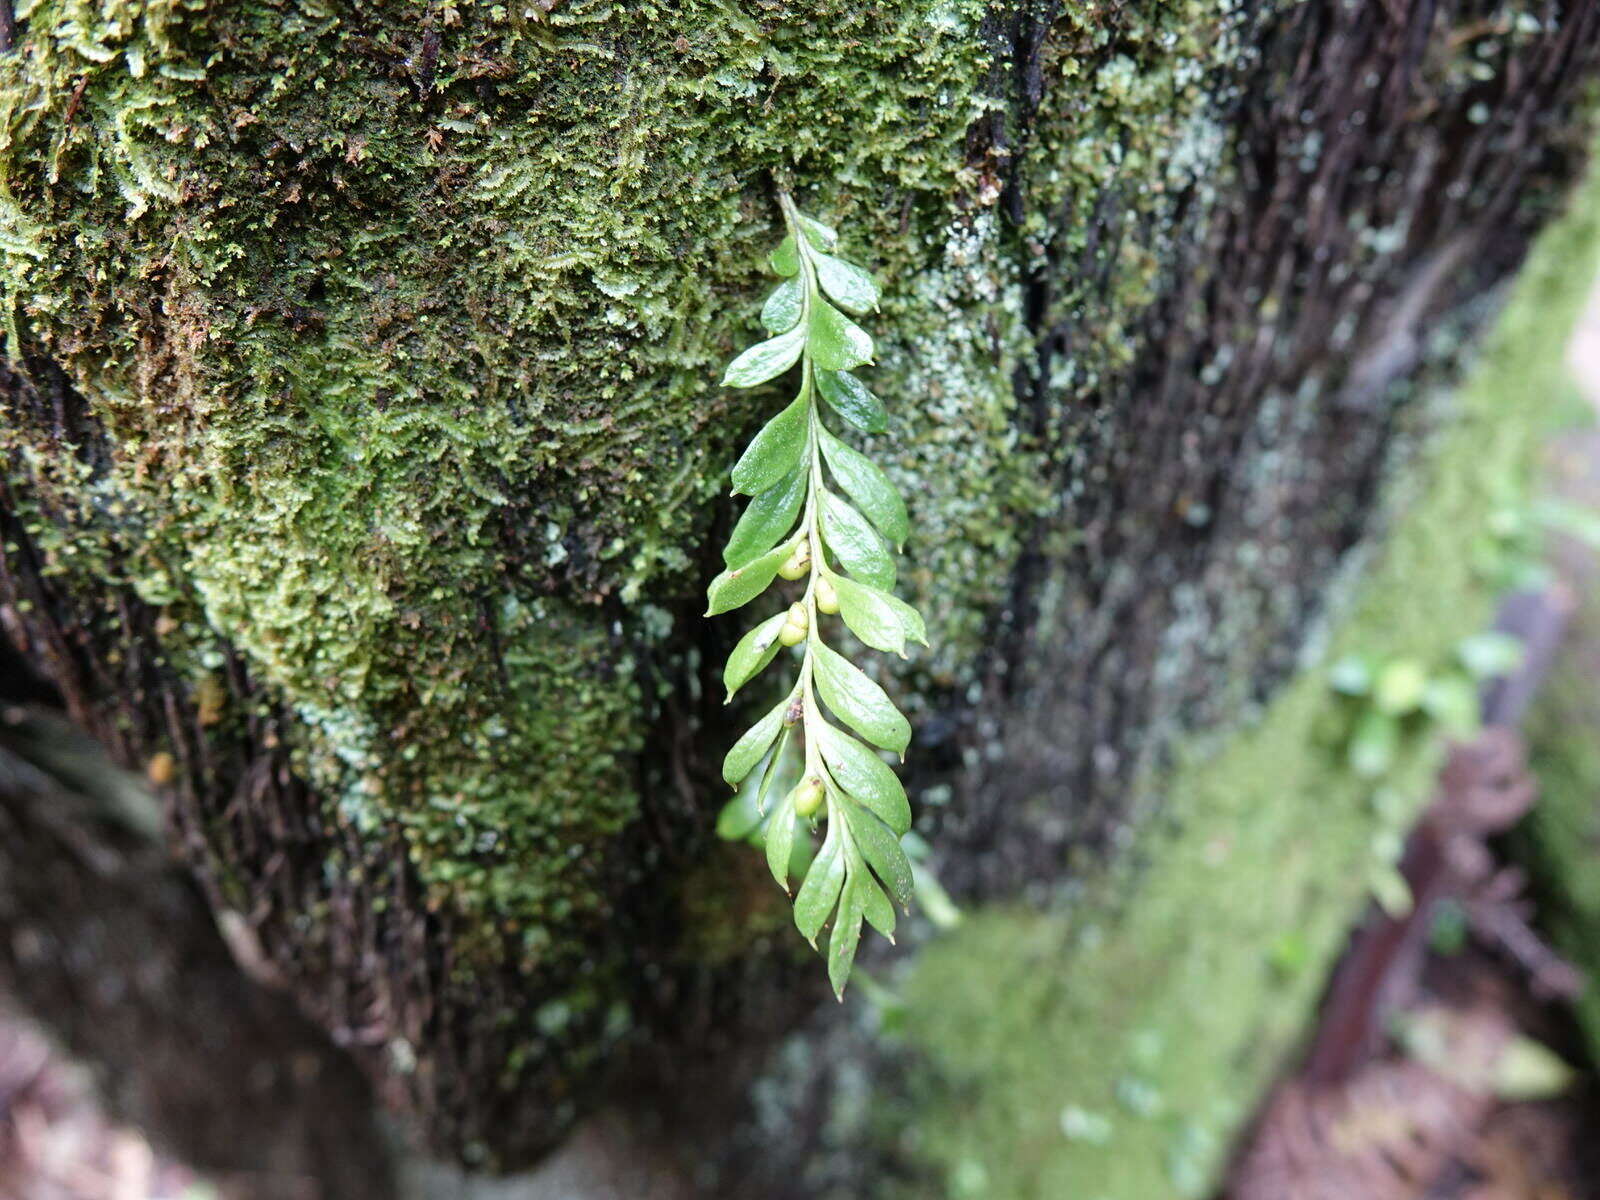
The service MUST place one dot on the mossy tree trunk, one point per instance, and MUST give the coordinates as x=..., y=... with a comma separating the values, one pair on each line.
x=364, y=469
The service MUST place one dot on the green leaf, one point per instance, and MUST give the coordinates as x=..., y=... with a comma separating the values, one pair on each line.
x=732, y=589
x=1452, y=700
x=821, y=887
x=739, y=817
x=837, y=342
x=1399, y=686
x=882, y=850
x=1528, y=1070
x=823, y=237
x=849, y=397
x=1491, y=653
x=846, y=936
x=750, y=748
x=780, y=842
x=869, y=487
x=859, y=702
x=782, y=309
x=1374, y=744
x=910, y=620
x=766, y=360
x=766, y=519
x=855, y=542
x=775, y=451
x=755, y=650
x=871, y=615
x=775, y=768
x=859, y=772
x=935, y=902
x=875, y=905
x=1351, y=675
x=785, y=259
x=847, y=283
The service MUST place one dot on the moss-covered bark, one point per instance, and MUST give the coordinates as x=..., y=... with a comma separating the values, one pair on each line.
x=401, y=319
x=380, y=482
x=1558, y=841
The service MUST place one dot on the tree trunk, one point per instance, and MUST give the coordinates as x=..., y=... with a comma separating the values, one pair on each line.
x=365, y=468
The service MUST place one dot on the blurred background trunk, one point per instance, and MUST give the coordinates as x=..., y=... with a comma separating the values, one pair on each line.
x=364, y=468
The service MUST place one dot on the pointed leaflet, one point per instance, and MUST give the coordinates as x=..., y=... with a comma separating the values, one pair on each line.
x=774, y=769
x=858, y=701
x=882, y=850
x=855, y=542
x=750, y=748
x=738, y=818
x=837, y=342
x=821, y=887
x=766, y=519
x=775, y=451
x=849, y=397
x=780, y=842
x=848, y=284
x=869, y=487
x=910, y=619
x=766, y=360
x=869, y=615
x=751, y=656
x=823, y=237
x=742, y=816
x=875, y=905
x=846, y=935
x=733, y=588
x=862, y=774
x=782, y=309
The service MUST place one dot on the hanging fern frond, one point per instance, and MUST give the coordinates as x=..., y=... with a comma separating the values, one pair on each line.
x=824, y=515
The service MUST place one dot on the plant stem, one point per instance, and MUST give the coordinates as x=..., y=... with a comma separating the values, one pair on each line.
x=810, y=526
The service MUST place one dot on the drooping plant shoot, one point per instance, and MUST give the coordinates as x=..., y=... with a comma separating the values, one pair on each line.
x=824, y=516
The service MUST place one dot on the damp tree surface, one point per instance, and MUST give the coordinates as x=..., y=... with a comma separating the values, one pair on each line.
x=365, y=465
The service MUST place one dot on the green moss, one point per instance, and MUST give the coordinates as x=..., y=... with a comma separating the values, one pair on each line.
x=1558, y=840
x=1112, y=1052
x=404, y=322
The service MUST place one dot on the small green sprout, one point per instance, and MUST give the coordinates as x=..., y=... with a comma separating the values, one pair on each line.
x=1397, y=696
